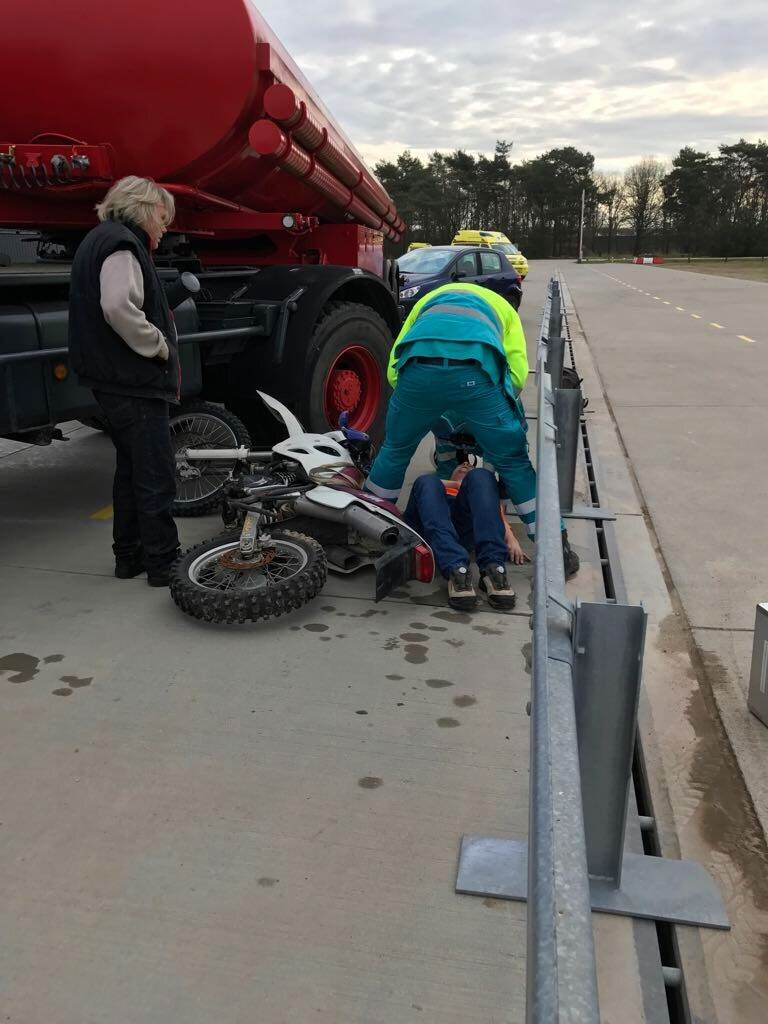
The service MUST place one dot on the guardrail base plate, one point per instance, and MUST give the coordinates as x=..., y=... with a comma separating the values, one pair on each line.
x=589, y=512
x=655, y=888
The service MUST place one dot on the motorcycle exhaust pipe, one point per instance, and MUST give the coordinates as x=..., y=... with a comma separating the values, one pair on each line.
x=379, y=530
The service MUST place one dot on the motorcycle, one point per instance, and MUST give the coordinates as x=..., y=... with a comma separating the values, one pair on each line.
x=292, y=514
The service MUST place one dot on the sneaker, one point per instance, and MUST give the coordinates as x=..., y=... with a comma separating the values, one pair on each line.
x=495, y=584
x=127, y=568
x=570, y=558
x=461, y=592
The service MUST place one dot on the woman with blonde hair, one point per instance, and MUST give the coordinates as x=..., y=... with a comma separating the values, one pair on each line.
x=123, y=346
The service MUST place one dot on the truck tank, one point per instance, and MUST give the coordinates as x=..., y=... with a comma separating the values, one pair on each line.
x=199, y=95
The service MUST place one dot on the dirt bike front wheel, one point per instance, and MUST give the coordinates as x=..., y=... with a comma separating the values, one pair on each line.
x=211, y=581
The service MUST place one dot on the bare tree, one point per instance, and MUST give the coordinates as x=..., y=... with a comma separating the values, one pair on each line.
x=612, y=200
x=642, y=185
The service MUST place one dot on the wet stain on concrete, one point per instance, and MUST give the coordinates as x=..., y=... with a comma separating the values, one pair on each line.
x=63, y=691
x=295, y=629
x=325, y=639
x=316, y=627
x=51, y=658
x=527, y=652
x=341, y=636
x=416, y=654
x=392, y=644
x=414, y=638
x=488, y=631
x=418, y=625
x=438, y=684
x=266, y=882
x=361, y=712
x=465, y=701
x=19, y=667
x=432, y=598
x=717, y=814
x=328, y=608
x=451, y=616
x=454, y=642
x=437, y=629
x=373, y=632
x=396, y=678
x=448, y=723
x=493, y=904
x=76, y=682
x=370, y=782
x=400, y=704
x=371, y=612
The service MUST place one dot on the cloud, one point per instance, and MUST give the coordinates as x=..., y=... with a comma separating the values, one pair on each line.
x=443, y=74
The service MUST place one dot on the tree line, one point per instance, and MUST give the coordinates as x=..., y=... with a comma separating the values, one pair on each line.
x=702, y=205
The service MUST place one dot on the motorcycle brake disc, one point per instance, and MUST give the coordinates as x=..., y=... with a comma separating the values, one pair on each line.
x=233, y=560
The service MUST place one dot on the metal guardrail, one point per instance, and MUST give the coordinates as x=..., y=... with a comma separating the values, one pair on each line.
x=674, y=259
x=586, y=674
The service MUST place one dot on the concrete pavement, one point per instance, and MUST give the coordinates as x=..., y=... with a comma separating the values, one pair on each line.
x=256, y=824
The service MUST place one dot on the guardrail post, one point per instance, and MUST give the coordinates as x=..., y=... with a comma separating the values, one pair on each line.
x=568, y=403
x=555, y=358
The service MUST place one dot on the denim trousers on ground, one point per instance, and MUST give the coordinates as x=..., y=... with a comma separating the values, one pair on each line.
x=424, y=392
x=454, y=526
x=145, y=479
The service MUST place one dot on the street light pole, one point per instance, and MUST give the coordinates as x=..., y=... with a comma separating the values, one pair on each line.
x=581, y=228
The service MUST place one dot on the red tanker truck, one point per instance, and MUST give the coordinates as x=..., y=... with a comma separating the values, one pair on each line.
x=277, y=216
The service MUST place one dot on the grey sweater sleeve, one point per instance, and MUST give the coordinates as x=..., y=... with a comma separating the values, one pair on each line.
x=122, y=298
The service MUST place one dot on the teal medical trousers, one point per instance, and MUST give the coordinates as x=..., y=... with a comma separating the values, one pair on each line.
x=426, y=391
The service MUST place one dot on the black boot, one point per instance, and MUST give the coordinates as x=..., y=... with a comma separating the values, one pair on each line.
x=570, y=558
x=128, y=566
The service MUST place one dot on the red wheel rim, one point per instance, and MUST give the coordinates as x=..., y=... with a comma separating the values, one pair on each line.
x=353, y=384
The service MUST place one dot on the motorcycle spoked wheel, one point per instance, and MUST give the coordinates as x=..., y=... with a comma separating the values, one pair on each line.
x=209, y=582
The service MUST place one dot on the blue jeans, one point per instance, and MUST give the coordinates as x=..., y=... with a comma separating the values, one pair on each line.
x=454, y=526
x=424, y=392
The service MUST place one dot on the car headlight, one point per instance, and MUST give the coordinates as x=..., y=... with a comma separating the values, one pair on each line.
x=409, y=293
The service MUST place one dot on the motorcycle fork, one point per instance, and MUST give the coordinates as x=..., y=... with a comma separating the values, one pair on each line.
x=250, y=539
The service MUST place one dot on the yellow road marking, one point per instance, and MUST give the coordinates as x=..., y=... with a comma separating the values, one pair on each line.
x=695, y=316
x=103, y=513
x=667, y=302
x=743, y=337
x=719, y=326
x=679, y=309
x=657, y=297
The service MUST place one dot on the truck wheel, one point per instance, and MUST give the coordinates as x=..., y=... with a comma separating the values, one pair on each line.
x=199, y=484
x=348, y=359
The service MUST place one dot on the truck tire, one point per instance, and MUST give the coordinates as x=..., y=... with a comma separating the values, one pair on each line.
x=201, y=587
x=348, y=360
x=200, y=424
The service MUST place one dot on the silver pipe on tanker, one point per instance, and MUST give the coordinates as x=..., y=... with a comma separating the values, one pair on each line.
x=282, y=105
x=268, y=139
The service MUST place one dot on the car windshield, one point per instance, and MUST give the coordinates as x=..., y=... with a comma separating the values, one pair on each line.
x=507, y=248
x=424, y=261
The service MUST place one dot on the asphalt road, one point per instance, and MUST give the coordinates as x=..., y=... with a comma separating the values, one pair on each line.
x=684, y=363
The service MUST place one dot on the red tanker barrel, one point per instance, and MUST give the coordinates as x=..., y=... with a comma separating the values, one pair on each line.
x=173, y=88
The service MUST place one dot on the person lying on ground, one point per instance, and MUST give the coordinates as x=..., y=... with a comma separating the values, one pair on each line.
x=463, y=514
x=454, y=447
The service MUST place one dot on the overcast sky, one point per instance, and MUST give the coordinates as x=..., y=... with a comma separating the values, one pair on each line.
x=425, y=74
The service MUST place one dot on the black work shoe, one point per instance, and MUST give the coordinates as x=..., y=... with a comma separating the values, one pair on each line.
x=159, y=577
x=495, y=584
x=570, y=558
x=127, y=568
x=461, y=592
